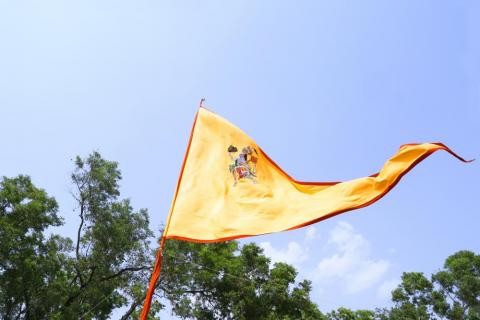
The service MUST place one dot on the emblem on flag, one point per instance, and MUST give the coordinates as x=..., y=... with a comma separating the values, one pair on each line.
x=244, y=165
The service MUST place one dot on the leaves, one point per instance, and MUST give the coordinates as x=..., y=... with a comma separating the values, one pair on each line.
x=227, y=281
x=112, y=255
x=31, y=274
x=451, y=293
x=108, y=264
x=57, y=278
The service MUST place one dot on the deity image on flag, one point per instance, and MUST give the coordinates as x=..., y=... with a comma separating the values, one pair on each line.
x=244, y=166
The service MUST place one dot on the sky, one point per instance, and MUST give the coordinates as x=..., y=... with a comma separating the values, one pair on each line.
x=328, y=89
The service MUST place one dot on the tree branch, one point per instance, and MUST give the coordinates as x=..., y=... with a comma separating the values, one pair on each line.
x=128, y=269
x=82, y=221
x=130, y=310
x=79, y=235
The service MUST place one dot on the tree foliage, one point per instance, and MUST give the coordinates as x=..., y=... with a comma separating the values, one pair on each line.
x=347, y=314
x=112, y=242
x=31, y=265
x=107, y=265
x=452, y=293
x=227, y=281
x=57, y=278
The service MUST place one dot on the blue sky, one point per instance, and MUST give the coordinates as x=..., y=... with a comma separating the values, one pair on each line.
x=329, y=89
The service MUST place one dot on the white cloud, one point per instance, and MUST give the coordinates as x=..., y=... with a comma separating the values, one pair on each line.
x=351, y=265
x=368, y=273
x=294, y=254
x=311, y=233
x=384, y=291
x=349, y=268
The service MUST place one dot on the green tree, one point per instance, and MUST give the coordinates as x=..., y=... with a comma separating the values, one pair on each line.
x=111, y=257
x=412, y=298
x=32, y=276
x=227, y=281
x=109, y=264
x=347, y=314
x=457, y=293
x=452, y=293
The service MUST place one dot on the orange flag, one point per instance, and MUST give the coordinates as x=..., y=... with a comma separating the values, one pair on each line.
x=229, y=188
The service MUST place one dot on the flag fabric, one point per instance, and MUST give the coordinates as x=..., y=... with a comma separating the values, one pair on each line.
x=229, y=188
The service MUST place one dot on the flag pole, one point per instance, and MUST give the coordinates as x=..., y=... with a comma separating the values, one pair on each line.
x=158, y=260
x=153, y=280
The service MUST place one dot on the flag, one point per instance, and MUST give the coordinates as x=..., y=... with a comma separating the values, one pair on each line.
x=230, y=188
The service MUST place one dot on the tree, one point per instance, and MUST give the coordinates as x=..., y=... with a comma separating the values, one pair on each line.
x=228, y=281
x=55, y=278
x=457, y=294
x=412, y=298
x=347, y=314
x=45, y=276
x=452, y=293
x=112, y=257
x=32, y=277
